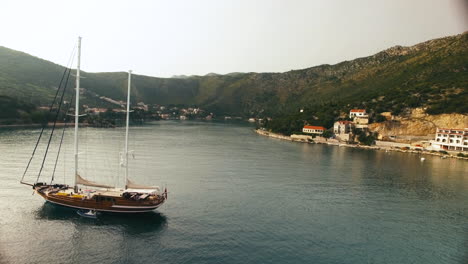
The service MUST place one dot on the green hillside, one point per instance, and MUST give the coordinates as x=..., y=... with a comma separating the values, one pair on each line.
x=433, y=74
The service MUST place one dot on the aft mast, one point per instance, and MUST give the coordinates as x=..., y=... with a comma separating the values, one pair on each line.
x=128, y=183
x=77, y=112
x=126, y=127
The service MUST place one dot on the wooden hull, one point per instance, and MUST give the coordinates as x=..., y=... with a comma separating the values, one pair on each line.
x=103, y=202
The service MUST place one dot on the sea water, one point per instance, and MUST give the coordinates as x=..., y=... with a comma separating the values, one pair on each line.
x=234, y=197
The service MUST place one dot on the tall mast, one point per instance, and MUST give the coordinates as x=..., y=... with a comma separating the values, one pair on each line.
x=126, y=127
x=77, y=110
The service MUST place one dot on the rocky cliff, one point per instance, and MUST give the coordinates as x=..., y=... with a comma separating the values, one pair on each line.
x=417, y=124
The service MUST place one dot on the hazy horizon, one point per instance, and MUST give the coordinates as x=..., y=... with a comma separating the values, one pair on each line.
x=163, y=39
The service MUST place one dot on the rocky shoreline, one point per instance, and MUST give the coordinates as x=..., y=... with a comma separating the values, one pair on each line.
x=341, y=144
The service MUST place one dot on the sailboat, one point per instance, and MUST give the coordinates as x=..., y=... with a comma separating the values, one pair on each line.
x=134, y=198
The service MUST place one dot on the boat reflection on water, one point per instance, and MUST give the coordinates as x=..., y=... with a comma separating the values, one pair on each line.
x=144, y=223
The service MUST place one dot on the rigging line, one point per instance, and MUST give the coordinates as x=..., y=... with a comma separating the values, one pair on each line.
x=50, y=111
x=53, y=127
x=65, y=161
x=65, y=121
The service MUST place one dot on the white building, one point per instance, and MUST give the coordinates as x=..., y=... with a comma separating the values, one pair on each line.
x=313, y=130
x=143, y=106
x=96, y=111
x=357, y=113
x=343, y=129
x=360, y=118
x=450, y=139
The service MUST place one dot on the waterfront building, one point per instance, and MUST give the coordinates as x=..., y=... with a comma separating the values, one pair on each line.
x=142, y=106
x=450, y=139
x=165, y=116
x=343, y=129
x=318, y=130
x=96, y=110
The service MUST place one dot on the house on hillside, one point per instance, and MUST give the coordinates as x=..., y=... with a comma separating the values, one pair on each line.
x=361, y=122
x=318, y=130
x=357, y=113
x=450, y=139
x=360, y=118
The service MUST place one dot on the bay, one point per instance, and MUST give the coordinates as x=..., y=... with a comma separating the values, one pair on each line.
x=236, y=197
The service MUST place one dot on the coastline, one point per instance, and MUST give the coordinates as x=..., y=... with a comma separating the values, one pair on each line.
x=334, y=142
x=50, y=124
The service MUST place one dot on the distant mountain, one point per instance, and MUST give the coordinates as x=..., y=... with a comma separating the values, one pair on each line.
x=212, y=74
x=433, y=74
x=180, y=76
x=235, y=73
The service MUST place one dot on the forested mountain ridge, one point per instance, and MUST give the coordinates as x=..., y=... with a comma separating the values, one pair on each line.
x=432, y=74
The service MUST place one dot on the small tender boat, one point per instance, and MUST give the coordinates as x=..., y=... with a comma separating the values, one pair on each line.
x=87, y=213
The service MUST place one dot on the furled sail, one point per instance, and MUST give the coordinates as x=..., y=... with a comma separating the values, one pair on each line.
x=132, y=185
x=83, y=181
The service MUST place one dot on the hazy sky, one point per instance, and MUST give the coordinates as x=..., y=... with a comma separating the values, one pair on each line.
x=164, y=38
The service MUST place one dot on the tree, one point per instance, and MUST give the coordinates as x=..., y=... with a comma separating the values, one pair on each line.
x=380, y=118
x=327, y=134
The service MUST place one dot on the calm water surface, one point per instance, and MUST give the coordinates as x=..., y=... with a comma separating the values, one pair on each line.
x=236, y=197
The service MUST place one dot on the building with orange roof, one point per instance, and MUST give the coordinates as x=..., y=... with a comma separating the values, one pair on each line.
x=313, y=130
x=357, y=113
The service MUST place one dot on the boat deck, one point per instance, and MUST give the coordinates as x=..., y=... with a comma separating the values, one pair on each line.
x=113, y=200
